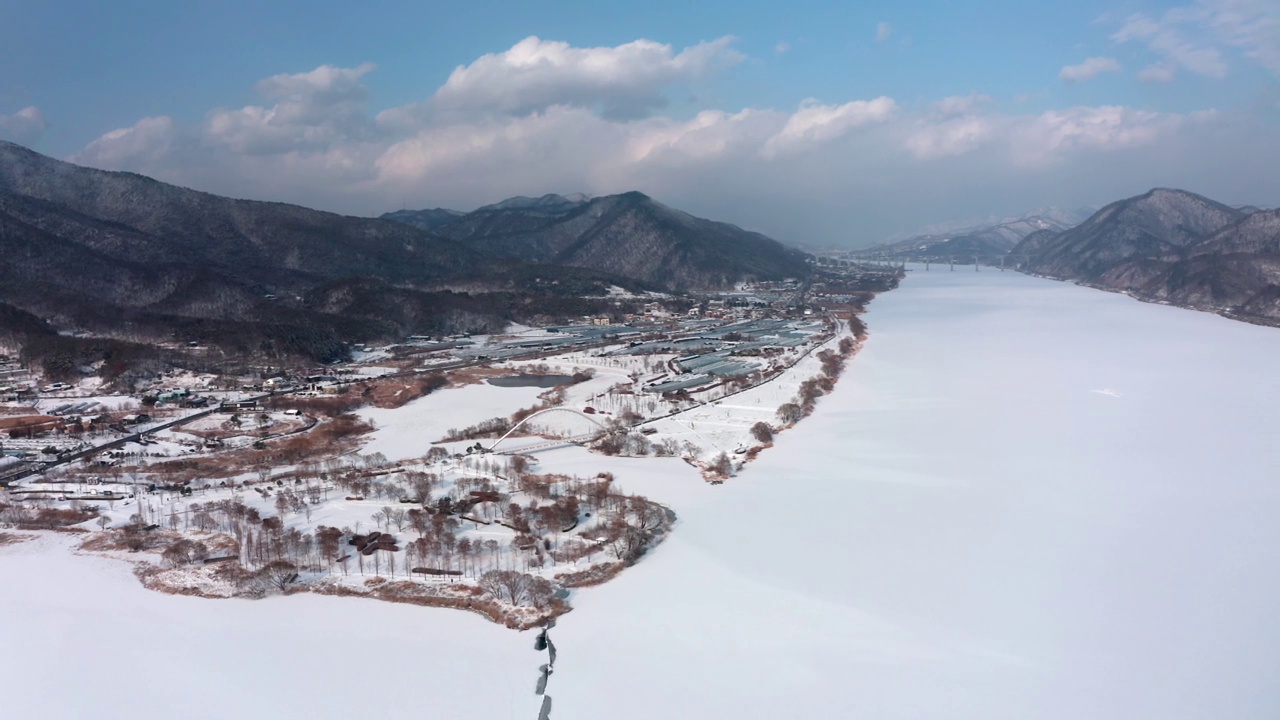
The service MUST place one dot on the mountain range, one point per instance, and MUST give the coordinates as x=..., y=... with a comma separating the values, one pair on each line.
x=964, y=241
x=629, y=235
x=1170, y=246
x=95, y=265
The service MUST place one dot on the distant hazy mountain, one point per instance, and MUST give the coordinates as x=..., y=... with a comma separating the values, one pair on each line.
x=628, y=235
x=966, y=242
x=1056, y=216
x=1172, y=246
x=549, y=203
x=424, y=219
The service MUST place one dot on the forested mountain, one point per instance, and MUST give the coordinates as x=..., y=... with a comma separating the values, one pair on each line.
x=628, y=235
x=97, y=264
x=1171, y=246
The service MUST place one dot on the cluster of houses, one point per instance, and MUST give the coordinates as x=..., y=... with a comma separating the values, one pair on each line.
x=15, y=380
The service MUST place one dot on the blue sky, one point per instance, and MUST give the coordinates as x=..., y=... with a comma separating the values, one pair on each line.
x=822, y=122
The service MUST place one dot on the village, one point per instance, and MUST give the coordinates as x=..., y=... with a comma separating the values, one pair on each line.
x=411, y=473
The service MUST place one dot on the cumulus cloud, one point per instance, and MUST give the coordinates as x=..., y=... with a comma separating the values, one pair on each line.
x=325, y=86
x=796, y=173
x=1089, y=69
x=312, y=110
x=883, y=31
x=626, y=81
x=23, y=127
x=1053, y=135
x=710, y=134
x=151, y=140
x=815, y=123
x=951, y=136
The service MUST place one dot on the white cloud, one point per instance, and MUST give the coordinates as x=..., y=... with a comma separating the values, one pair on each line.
x=782, y=48
x=710, y=134
x=150, y=140
x=1252, y=26
x=815, y=123
x=883, y=31
x=1167, y=40
x=1160, y=72
x=796, y=173
x=325, y=86
x=626, y=81
x=952, y=136
x=23, y=127
x=312, y=110
x=1199, y=37
x=1089, y=69
x=1053, y=135
x=957, y=105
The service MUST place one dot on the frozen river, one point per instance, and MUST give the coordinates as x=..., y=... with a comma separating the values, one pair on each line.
x=1025, y=499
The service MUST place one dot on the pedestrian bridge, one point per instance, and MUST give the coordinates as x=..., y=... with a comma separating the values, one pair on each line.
x=579, y=428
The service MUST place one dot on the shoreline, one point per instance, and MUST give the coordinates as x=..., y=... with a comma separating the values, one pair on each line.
x=231, y=579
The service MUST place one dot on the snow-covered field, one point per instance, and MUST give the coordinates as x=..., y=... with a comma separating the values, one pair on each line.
x=409, y=431
x=1024, y=499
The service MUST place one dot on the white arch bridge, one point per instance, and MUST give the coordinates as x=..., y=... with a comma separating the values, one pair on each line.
x=594, y=429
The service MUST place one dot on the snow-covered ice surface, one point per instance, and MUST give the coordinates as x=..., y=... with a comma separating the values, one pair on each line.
x=76, y=628
x=965, y=529
x=968, y=527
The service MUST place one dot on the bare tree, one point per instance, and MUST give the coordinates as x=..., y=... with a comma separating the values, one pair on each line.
x=722, y=465
x=507, y=586
x=185, y=552
x=762, y=432
x=790, y=412
x=279, y=574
